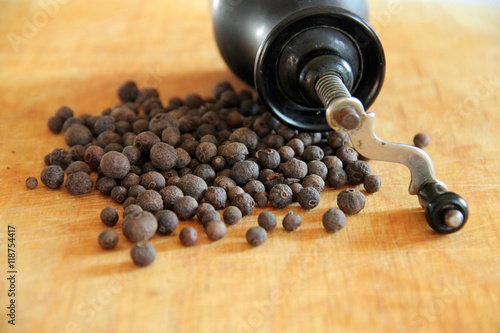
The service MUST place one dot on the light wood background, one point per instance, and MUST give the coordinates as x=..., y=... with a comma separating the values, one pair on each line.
x=386, y=272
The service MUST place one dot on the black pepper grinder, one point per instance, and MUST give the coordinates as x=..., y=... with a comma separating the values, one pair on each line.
x=318, y=65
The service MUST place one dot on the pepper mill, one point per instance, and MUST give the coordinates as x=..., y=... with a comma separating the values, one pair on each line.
x=318, y=65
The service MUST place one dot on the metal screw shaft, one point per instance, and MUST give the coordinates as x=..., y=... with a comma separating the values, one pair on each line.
x=330, y=88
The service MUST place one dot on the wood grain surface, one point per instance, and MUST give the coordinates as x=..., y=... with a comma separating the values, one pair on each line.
x=386, y=272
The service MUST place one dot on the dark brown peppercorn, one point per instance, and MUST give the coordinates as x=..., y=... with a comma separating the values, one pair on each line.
x=52, y=176
x=77, y=135
x=109, y=216
x=232, y=215
x=216, y=196
x=338, y=139
x=77, y=152
x=297, y=145
x=333, y=162
x=205, y=152
x=351, y=201
x=215, y=230
x=129, y=201
x=193, y=186
x=372, y=184
x=306, y=138
x=203, y=208
x=205, y=172
x=64, y=112
x=209, y=216
x=314, y=181
x=296, y=188
x=153, y=181
x=357, y=171
x=280, y=196
x=333, y=220
x=119, y=194
x=150, y=201
x=160, y=121
x=261, y=199
x=183, y=158
x=130, y=180
x=163, y=156
x=346, y=154
x=78, y=166
x=233, y=192
x=317, y=168
x=295, y=168
x=308, y=198
x=267, y=220
x=131, y=209
x=132, y=153
x=186, y=207
x=108, y=239
x=188, y=236
x=312, y=153
x=171, y=135
x=145, y=141
x=104, y=123
x=286, y=153
x=93, y=156
x=143, y=254
x=170, y=195
x=128, y=91
x=233, y=152
x=31, y=183
x=72, y=121
x=107, y=137
x=135, y=190
x=105, y=185
x=291, y=221
x=421, y=140
x=337, y=178
x=79, y=183
x=245, y=136
x=60, y=157
x=256, y=236
x=268, y=158
x=218, y=163
x=55, y=124
x=244, y=202
x=167, y=222
x=114, y=165
x=139, y=226
x=244, y=171
x=253, y=187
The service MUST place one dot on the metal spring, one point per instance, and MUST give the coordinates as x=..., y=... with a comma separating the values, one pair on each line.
x=331, y=87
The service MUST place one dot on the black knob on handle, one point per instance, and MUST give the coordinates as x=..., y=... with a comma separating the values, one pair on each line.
x=446, y=212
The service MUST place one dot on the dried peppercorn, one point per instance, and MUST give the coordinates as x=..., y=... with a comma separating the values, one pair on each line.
x=104, y=123
x=306, y=138
x=139, y=226
x=114, y=165
x=52, y=176
x=79, y=183
x=357, y=172
x=205, y=152
x=77, y=135
x=64, y=112
x=107, y=137
x=145, y=141
x=150, y=201
x=183, y=158
x=211, y=215
x=55, y=124
x=337, y=178
x=268, y=158
x=77, y=152
x=31, y=183
x=253, y=187
x=297, y=145
x=171, y=135
x=267, y=220
x=205, y=172
x=244, y=202
x=153, y=181
x=256, y=236
x=130, y=180
x=163, y=156
x=61, y=157
x=135, y=190
x=225, y=182
x=317, y=168
x=193, y=186
x=291, y=221
x=280, y=196
x=132, y=153
x=118, y=194
x=245, y=136
x=186, y=207
x=215, y=230
x=188, y=236
x=143, y=254
x=333, y=220
x=338, y=139
x=372, y=183
x=232, y=215
x=93, y=156
x=295, y=168
x=233, y=152
x=109, y=216
x=286, y=153
x=421, y=140
x=314, y=181
x=218, y=163
x=346, y=154
x=233, y=192
x=108, y=239
x=160, y=121
x=72, y=121
x=351, y=201
x=128, y=92
x=332, y=162
x=78, y=166
x=129, y=201
x=167, y=222
x=105, y=185
x=170, y=194
x=261, y=199
x=244, y=171
x=312, y=153
x=203, y=208
x=308, y=198
x=216, y=196
x=296, y=188
x=131, y=209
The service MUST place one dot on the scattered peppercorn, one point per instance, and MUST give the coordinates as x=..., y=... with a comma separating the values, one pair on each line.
x=333, y=220
x=232, y=215
x=295, y=168
x=186, y=207
x=78, y=166
x=313, y=153
x=193, y=186
x=337, y=178
x=216, y=196
x=256, y=236
x=346, y=154
x=143, y=254
x=109, y=216
x=357, y=172
x=267, y=220
x=308, y=198
x=261, y=199
x=79, y=183
x=108, y=239
x=351, y=201
x=52, y=176
x=131, y=209
x=315, y=181
x=296, y=188
x=421, y=140
x=139, y=226
x=114, y=165
x=244, y=202
x=167, y=222
x=150, y=201
x=215, y=230
x=119, y=194
x=188, y=236
x=292, y=221
x=31, y=183
x=280, y=196
x=372, y=184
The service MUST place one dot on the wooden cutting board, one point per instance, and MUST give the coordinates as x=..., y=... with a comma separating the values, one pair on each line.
x=386, y=272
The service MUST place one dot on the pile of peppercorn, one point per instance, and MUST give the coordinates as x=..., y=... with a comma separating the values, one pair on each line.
x=194, y=156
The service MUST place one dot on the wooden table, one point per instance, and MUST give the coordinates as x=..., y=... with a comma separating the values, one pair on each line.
x=386, y=272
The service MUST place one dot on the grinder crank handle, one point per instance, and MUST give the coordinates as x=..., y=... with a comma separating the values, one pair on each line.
x=446, y=212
